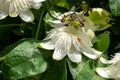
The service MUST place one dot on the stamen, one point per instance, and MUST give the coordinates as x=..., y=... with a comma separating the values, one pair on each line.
x=63, y=19
x=81, y=21
x=72, y=15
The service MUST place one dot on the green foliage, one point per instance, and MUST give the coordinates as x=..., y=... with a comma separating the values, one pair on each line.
x=87, y=72
x=56, y=71
x=103, y=41
x=114, y=7
x=23, y=60
x=74, y=68
x=60, y=3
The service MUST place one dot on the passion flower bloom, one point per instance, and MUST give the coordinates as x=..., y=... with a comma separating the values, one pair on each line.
x=71, y=18
x=113, y=70
x=70, y=41
x=13, y=8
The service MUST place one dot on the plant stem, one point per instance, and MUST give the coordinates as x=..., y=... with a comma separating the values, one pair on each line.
x=88, y=7
x=39, y=24
x=10, y=25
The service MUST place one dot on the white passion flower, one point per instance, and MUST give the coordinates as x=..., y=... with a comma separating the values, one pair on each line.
x=70, y=41
x=72, y=19
x=13, y=8
x=113, y=70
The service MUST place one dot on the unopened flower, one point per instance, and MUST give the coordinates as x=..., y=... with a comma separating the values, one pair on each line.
x=72, y=19
x=13, y=8
x=70, y=41
x=113, y=70
x=100, y=17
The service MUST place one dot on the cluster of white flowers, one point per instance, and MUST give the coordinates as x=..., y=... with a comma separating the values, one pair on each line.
x=72, y=35
x=113, y=70
x=13, y=8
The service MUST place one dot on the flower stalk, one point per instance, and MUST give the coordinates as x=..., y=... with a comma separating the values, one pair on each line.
x=39, y=24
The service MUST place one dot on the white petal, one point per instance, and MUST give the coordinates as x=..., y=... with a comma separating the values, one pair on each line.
x=37, y=6
x=97, y=52
x=46, y=45
x=62, y=46
x=55, y=23
x=112, y=71
x=27, y=16
x=91, y=34
x=52, y=34
x=92, y=53
x=104, y=72
x=56, y=15
x=114, y=60
x=103, y=60
x=89, y=24
x=3, y=9
x=85, y=40
x=63, y=42
x=37, y=1
x=3, y=15
x=58, y=54
x=76, y=43
x=21, y=5
x=74, y=55
x=13, y=11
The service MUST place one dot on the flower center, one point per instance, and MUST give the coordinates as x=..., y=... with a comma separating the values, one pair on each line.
x=73, y=19
x=70, y=30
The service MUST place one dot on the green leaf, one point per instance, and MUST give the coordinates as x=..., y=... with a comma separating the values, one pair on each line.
x=118, y=46
x=115, y=7
x=74, y=68
x=88, y=72
x=9, y=48
x=103, y=41
x=23, y=60
x=61, y=3
x=57, y=71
